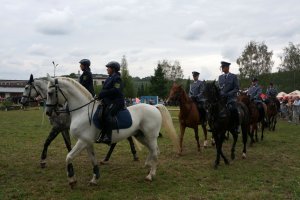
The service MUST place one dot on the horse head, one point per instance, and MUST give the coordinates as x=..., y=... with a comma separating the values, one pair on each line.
x=55, y=97
x=212, y=92
x=30, y=92
x=244, y=97
x=175, y=93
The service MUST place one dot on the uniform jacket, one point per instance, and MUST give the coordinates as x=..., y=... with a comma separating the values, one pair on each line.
x=229, y=86
x=196, y=90
x=271, y=92
x=86, y=79
x=111, y=92
x=254, y=92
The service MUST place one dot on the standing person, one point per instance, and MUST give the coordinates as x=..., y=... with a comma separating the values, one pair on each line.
x=196, y=94
x=86, y=78
x=112, y=98
x=229, y=86
x=296, y=110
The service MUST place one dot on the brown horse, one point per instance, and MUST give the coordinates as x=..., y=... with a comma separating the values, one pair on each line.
x=272, y=112
x=188, y=115
x=255, y=117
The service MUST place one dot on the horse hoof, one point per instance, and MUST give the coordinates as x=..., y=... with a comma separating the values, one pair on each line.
x=148, y=178
x=244, y=156
x=92, y=183
x=72, y=184
x=104, y=162
x=43, y=165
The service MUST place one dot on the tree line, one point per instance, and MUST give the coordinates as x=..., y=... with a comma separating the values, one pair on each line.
x=255, y=61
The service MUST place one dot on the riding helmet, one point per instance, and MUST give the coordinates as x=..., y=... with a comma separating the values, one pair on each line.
x=114, y=65
x=85, y=62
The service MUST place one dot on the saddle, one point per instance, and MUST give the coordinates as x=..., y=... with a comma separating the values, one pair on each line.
x=122, y=120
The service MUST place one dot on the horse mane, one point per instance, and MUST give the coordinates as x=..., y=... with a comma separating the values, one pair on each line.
x=78, y=86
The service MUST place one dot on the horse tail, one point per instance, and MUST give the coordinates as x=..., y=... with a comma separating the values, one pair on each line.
x=168, y=125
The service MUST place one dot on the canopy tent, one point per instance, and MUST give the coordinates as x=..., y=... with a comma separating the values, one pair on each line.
x=294, y=94
x=281, y=94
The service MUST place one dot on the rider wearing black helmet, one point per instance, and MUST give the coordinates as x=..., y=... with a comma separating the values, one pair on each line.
x=86, y=78
x=112, y=98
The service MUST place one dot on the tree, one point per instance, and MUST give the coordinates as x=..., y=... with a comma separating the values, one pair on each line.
x=158, y=82
x=187, y=86
x=172, y=71
x=290, y=59
x=255, y=60
x=129, y=90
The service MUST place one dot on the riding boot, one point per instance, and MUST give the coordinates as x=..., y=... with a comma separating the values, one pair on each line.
x=106, y=139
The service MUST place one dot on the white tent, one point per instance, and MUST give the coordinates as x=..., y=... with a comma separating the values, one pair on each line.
x=281, y=94
x=294, y=93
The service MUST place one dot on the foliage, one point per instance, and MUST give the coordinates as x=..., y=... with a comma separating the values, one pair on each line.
x=159, y=83
x=172, y=71
x=255, y=60
x=129, y=90
x=287, y=81
x=187, y=85
x=271, y=170
x=290, y=58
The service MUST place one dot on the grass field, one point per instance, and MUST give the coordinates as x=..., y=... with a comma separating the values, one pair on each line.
x=271, y=170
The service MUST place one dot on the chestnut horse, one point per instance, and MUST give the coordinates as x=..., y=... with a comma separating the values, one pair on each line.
x=188, y=115
x=272, y=111
x=255, y=117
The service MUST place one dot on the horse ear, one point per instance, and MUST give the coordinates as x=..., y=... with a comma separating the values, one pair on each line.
x=49, y=78
x=31, y=79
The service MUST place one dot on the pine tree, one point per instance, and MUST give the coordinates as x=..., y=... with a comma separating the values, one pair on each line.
x=129, y=90
x=158, y=82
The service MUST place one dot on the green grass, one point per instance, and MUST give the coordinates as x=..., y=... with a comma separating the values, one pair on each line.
x=271, y=170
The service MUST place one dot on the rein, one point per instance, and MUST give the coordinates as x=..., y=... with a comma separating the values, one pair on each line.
x=31, y=99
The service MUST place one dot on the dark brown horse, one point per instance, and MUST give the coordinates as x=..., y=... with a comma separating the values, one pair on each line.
x=272, y=112
x=188, y=115
x=255, y=117
x=220, y=121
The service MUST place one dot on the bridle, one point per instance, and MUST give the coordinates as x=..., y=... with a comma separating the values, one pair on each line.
x=56, y=106
x=32, y=99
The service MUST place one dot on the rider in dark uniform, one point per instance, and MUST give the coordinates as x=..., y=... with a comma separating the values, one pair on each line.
x=229, y=86
x=271, y=94
x=86, y=78
x=196, y=94
x=112, y=99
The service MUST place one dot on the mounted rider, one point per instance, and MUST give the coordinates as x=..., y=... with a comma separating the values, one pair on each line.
x=112, y=98
x=271, y=95
x=229, y=86
x=86, y=78
x=255, y=91
x=196, y=94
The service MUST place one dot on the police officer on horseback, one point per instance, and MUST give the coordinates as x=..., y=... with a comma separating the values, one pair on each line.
x=254, y=92
x=229, y=86
x=112, y=99
x=196, y=94
x=271, y=94
x=86, y=78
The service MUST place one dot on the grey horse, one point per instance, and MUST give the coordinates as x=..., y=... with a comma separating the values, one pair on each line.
x=37, y=89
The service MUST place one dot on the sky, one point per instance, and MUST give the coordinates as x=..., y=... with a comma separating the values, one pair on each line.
x=199, y=34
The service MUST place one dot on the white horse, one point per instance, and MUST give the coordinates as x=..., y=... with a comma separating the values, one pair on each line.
x=146, y=124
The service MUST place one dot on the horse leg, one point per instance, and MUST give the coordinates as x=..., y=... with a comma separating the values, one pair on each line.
x=235, y=137
x=79, y=146
x=52, y=135
x=245, y=131
x=253, y=127
x=96, y=171
x=263, y=125
x=152, y=159
x=67, y=139
x=197, y=137
x=217, y=142
x=221, y=151
x=182, y=130
x=132, y=148
x=275, y=122
x=106, y=159
x=205, y=144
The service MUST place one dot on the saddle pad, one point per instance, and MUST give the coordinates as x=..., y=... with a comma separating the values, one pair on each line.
x=121, y=121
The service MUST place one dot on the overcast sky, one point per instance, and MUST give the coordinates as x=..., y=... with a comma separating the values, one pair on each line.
x=197, y=33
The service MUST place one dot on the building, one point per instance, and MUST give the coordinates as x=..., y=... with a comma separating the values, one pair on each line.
x=12, y=89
